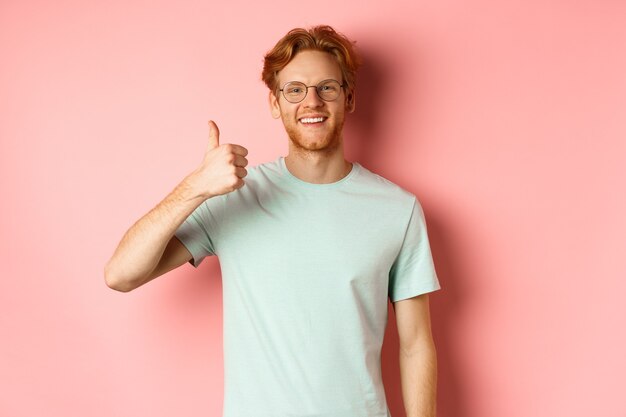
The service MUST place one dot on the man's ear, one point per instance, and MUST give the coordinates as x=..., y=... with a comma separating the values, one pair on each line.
x=350, y=101
x=274, y=106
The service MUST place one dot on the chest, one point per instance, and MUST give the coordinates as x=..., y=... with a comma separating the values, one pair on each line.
x=323, y=237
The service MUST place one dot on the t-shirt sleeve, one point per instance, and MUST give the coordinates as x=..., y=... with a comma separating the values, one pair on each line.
x=413, y=271
x=199, y=231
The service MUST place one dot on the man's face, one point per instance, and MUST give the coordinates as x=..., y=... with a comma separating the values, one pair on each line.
x=311, y=67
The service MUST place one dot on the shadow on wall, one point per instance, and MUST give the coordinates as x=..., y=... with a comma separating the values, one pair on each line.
x=365, y=135
x=446, y=309
x=362, y=128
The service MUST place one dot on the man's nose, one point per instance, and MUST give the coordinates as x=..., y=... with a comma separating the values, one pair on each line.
x=312, y=99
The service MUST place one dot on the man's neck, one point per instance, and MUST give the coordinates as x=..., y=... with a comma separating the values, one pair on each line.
x=318, y=168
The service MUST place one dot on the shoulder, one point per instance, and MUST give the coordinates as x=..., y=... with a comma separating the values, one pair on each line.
x=385, y=188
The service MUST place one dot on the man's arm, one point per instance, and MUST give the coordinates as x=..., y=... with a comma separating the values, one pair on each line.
x=150, y=242
x=149, y=249
x=418, y=357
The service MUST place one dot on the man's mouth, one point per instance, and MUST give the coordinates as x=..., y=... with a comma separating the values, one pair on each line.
x=312, y=120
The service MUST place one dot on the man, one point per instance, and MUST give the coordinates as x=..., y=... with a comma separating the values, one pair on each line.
x=310, y=247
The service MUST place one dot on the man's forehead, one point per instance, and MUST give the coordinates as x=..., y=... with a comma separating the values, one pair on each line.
x=311, y=67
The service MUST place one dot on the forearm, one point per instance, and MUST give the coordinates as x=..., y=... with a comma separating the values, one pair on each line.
x=142, y=246
x=418, y=374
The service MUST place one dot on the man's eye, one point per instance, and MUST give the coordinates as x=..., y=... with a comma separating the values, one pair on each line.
x=294, y=90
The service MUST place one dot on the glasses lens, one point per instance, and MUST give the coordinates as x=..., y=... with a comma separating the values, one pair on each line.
x=294, y=91
x=328, y=90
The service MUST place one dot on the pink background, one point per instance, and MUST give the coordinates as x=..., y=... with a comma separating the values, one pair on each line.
x=506, y=119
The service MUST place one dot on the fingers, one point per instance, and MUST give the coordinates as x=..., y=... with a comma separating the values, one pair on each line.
x=214, y=140
x=241, y=172
x=214, y=135
x=238, y=149
x=240, y=161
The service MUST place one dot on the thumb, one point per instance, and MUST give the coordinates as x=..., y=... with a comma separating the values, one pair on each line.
x=214, y=136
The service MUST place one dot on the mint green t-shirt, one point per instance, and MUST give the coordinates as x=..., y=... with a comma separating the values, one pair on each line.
x=307, y=270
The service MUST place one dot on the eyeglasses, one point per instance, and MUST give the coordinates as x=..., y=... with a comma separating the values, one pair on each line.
x=327, y=90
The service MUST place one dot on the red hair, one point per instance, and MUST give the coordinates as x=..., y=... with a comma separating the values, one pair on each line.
x=318, y=38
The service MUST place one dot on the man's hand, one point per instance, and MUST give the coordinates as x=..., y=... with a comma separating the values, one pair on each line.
x=222, y=168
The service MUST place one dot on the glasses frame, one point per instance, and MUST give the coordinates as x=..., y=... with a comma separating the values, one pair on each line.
x=306, y=88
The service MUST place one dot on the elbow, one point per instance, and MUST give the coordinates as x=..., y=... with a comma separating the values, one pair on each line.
x=113, y=281
x=420, y=347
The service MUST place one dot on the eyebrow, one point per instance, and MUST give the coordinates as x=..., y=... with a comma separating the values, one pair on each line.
x=323, y=79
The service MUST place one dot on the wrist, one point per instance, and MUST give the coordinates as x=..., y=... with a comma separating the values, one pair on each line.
x=191, y=188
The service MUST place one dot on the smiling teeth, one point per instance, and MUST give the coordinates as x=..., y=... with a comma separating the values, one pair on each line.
x=312, y=120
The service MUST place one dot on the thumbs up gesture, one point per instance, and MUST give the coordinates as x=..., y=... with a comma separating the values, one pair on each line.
x=222, y=167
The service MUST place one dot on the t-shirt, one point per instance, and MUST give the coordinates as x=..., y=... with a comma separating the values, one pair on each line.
x=307, y=270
